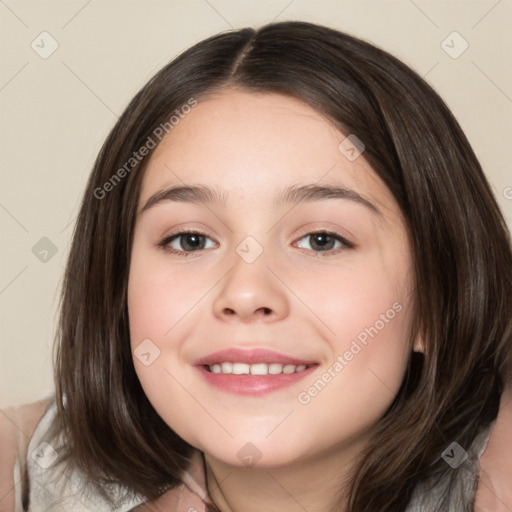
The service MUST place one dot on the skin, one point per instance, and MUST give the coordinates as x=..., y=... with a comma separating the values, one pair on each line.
x=253, y=145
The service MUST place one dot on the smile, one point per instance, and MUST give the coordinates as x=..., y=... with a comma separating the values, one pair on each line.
x=255, y=369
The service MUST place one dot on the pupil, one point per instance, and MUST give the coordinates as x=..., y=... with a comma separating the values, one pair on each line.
x=193, y=242
x=322, y=241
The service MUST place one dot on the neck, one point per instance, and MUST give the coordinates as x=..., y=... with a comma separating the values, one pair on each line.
x=316, y=484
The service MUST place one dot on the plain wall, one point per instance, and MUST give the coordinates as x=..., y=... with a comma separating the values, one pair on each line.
x=56, y=112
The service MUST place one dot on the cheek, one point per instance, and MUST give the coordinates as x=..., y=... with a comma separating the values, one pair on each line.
x=370, y=357
x=360, y=301
x=159, y=299
x=158, y=305
x=367, y=311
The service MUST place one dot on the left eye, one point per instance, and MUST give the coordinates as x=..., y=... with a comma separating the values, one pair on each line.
x=323, y=241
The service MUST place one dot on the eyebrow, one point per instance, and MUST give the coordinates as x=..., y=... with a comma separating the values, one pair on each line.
x=292, y=194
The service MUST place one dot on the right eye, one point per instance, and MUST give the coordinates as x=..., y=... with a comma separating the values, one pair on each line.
x=187, y=242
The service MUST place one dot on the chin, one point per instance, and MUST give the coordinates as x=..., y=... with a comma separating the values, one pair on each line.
x=254, y=452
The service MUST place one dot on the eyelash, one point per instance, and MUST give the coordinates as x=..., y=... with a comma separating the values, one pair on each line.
x=164, y=244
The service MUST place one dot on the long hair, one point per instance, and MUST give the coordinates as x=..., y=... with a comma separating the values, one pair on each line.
x=460, y=245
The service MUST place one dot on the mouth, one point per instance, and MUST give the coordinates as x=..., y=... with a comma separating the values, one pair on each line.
x=253, y=372
x=228, y=368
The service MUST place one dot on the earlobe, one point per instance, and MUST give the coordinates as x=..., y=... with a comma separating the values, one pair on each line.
x=419, y=346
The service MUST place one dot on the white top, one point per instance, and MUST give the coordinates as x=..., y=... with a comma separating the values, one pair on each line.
x=51, y=491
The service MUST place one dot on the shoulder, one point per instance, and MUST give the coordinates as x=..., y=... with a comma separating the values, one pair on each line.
x=494, y=491
x=17, y=424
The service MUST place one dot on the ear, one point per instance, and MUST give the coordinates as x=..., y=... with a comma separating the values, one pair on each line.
x=419, y=345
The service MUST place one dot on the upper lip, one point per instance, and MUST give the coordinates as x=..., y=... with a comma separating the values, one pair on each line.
x=250, y=356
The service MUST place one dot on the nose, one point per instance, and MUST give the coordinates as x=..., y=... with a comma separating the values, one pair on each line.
x=251, y=292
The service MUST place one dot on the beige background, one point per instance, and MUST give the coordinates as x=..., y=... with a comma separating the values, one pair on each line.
x=56, y=111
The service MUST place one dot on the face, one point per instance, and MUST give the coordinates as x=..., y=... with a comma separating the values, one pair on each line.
x=267, y=326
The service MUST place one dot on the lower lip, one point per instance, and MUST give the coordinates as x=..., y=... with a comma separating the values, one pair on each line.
x=253, y=384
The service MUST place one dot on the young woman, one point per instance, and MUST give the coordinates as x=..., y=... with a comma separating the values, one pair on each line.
x=289, y=289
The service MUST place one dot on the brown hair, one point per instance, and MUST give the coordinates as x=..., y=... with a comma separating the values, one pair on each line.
x=459, y=241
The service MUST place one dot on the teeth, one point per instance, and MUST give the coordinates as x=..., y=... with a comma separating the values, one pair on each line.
x=241, y=368
x=259, y=369
x=256, y=369
x=275, y=368
x=289, y=368
x=227, y=367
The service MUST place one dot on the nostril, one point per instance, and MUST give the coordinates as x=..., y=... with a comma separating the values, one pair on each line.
x=264, y=311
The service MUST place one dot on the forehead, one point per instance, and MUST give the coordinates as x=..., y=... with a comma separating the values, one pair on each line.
x=254, y=143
